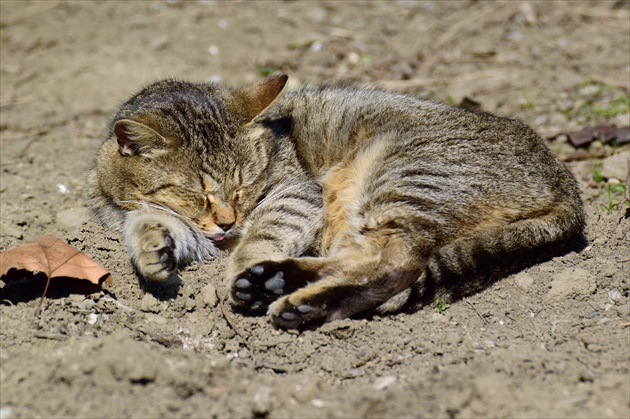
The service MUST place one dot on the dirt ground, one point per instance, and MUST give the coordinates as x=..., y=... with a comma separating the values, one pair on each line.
x=550, y=341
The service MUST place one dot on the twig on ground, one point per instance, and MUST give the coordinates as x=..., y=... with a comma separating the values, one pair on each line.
x=51, y=336
x=474, y=18
x=584, y=155
x=462, y=78
x=476, y=311
x=600, y=13
x=627, y=197
x=38, y=8
x=228, y=317
x=41, y=299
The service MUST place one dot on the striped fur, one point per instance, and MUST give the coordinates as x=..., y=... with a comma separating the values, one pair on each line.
x=350, y=201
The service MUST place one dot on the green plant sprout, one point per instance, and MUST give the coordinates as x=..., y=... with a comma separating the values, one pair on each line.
x=614, y=196
x=440, y=305
x=597, y=172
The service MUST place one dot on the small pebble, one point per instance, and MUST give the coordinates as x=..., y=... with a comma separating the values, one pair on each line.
x=318, y=403
x=439, y=318
x=92, y=318
x=209, y=295
x=149, y=304
x=591, y=315
x=614, y=295
x=381, y=383
x=523, y=281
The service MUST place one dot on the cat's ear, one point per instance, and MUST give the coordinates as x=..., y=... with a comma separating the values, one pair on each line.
x=254, y=98
x=137, y=138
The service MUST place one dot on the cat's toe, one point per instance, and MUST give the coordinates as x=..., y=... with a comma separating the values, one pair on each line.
x=276, y=283
x=242, y=283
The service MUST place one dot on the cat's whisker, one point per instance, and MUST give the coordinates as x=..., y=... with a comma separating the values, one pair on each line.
x=149, y=204
x=158, y=207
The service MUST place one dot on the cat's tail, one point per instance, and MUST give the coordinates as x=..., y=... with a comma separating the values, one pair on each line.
x=471, y=263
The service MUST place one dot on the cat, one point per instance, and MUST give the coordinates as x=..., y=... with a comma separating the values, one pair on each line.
x=342, y=201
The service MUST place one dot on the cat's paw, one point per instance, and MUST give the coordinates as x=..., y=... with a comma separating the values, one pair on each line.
x=297, y=309
x=154, y=253
x=265, y=282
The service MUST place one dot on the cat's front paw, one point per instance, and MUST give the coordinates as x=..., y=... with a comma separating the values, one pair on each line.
x=265, y=282
x=154, y=253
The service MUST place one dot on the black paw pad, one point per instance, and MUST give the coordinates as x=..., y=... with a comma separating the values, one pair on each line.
x=264, y=283
x=291, y=316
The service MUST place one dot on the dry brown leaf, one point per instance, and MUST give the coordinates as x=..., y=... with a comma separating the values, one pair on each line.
x=53, y=257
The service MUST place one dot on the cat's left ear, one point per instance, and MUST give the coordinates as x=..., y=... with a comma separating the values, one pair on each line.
x=251, y=100
x=137, y=138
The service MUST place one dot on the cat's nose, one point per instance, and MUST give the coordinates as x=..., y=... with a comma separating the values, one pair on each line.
x=226, y=226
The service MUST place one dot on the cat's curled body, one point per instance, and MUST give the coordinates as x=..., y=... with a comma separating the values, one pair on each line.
x=343, y=200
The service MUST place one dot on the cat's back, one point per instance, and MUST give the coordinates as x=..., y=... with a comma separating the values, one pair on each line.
x=338, y=112
x=330, y=123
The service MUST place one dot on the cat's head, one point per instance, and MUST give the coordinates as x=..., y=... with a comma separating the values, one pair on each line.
x=179, y=147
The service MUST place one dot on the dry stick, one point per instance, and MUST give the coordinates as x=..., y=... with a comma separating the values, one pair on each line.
x=230, y=321
x=584, y=155
x=41, y=299
x=478, y=313
x=601, y=13
x=408, y=84
x=30, y=12
x=228, y=317
x=49, y=277
x=458, y=27
x=627, y=197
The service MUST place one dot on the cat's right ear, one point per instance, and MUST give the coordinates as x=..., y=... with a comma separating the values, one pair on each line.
x=136, y=138
x=254, y=98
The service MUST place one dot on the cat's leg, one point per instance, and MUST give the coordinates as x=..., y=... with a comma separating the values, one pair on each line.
x=387, y=269
x=374, y=267
x=160, y=243
x=284, y=225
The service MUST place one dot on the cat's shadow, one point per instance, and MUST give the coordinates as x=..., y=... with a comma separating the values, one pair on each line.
x=163, y=291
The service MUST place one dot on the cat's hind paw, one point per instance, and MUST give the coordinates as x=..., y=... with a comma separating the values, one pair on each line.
x=290, y=312
x=265, y=282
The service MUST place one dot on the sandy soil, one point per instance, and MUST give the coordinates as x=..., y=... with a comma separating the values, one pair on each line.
x=551, y=341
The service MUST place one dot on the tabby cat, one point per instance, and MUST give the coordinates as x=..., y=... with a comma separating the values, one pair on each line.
x=341, y=201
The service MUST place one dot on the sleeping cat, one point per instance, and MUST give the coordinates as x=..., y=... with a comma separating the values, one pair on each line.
x=342, y=201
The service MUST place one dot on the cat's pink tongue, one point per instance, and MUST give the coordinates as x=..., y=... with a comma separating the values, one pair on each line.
x=218, y=237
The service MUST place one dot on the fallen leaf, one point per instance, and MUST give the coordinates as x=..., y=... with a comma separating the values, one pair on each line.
x=603, y=133
x=57, y=260
x=623, y=135
x=582, y=137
